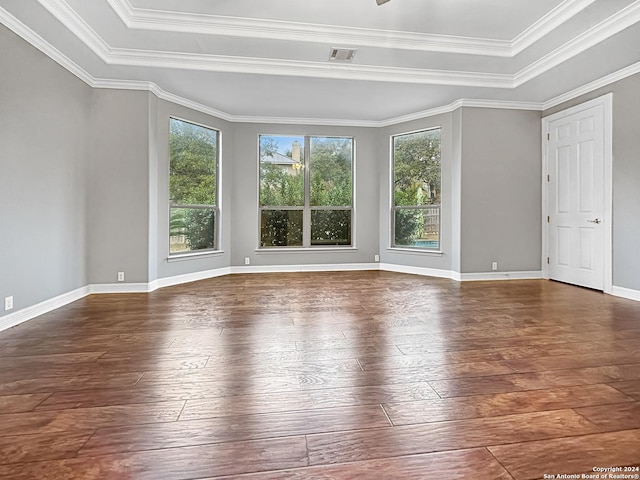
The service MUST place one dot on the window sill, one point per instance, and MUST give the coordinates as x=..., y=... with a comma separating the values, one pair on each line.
x=416, y=251
x=304, y=249
x=194, y=255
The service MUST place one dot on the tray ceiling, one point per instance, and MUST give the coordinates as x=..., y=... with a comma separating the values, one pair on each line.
x=269, y=61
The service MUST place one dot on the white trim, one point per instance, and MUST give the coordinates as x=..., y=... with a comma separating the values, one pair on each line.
x=606, y=102
x=46, y=306
x=416, y=251
x=98, y=288
x=612, y=25
x=41, y=308
x=463, y=102
x=188, y=278
x=492, y=276
x=608, y=191
x=38, y=42
x=294, y=250
x=261, y=66
x=20, y=29
x=174, y=21
x=544, y=246
x=183, y=22
x=549, y=22
x=461, y=277
x=279, y=67
x=195, y=255
x=77, y=25
x=626, y=293
x=331, y=122
x=590, y=87
x=321, y=267
x=299, y=68
x=423, y=271
x=158, y=92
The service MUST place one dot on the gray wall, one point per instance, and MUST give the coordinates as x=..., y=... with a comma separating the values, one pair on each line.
x=456, y=189
x=44, y=146
x=626, y=177
x=119, y=186
x=403, y=257
x=160, y=236
x=244, y=200
x=84, y=185
x=501, y=190
x=152, y=182
x=491, y=192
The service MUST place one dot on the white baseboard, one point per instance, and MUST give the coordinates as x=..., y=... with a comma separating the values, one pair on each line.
x=462, y=277
x=188, y=278
x=626, y=293
x=475, y=277
x=101, y=288
x=427, y=272
x=337, y=267
x=41, y=308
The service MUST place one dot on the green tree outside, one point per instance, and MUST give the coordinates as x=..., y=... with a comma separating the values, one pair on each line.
x=192, y=182
x=330, y=185
x=416, y=182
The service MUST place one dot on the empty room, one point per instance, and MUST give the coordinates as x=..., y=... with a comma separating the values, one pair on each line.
x=364, y=239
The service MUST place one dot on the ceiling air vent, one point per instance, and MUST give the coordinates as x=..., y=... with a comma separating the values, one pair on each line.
x=342, y=54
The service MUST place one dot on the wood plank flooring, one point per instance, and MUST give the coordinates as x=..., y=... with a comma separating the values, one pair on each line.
x=345, y=375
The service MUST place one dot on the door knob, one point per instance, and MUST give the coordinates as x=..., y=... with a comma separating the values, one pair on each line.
x=597, y=220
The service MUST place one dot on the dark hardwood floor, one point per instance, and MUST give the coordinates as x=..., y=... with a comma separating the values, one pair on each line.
x=350, y=375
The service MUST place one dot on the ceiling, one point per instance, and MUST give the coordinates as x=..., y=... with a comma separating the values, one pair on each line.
x=268, y=61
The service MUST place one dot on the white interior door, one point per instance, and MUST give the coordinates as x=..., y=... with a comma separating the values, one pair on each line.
x=576, y=198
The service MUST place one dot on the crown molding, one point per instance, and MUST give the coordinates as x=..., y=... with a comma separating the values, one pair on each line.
x=261, y=66
x=590, y=87
x=114, y=84
x=20, y=29
x=76, y=25
x=609, y=27
x=549, y=22
x=463, y=102
x=39, y=43
x=173, y=21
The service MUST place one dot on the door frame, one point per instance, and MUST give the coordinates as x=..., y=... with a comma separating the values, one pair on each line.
x=606, y=101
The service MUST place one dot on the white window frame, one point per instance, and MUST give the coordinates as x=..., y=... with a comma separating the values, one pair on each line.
x=216, y=208
x=307, y=208
x=394, y=208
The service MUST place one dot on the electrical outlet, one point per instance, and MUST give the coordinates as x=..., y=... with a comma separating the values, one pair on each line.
x=494, y=266
x=121, y=276
x=376, y=258
x=8, y=303
x=247, y=261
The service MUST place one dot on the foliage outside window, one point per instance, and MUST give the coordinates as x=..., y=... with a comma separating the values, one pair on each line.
x=193, y=211
x=306, y=191
x=416, y=190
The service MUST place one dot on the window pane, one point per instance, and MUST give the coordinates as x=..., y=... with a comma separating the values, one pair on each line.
x=191, y=229
x=281, y=228
x=281, y=171
x=331, y=159
x=417, y=227
x=331, y=227
x=416, y=168
x=192, y=158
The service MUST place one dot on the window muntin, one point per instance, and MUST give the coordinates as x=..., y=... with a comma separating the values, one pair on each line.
x=416, y=190
x=306, y=191
x=193, y=187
